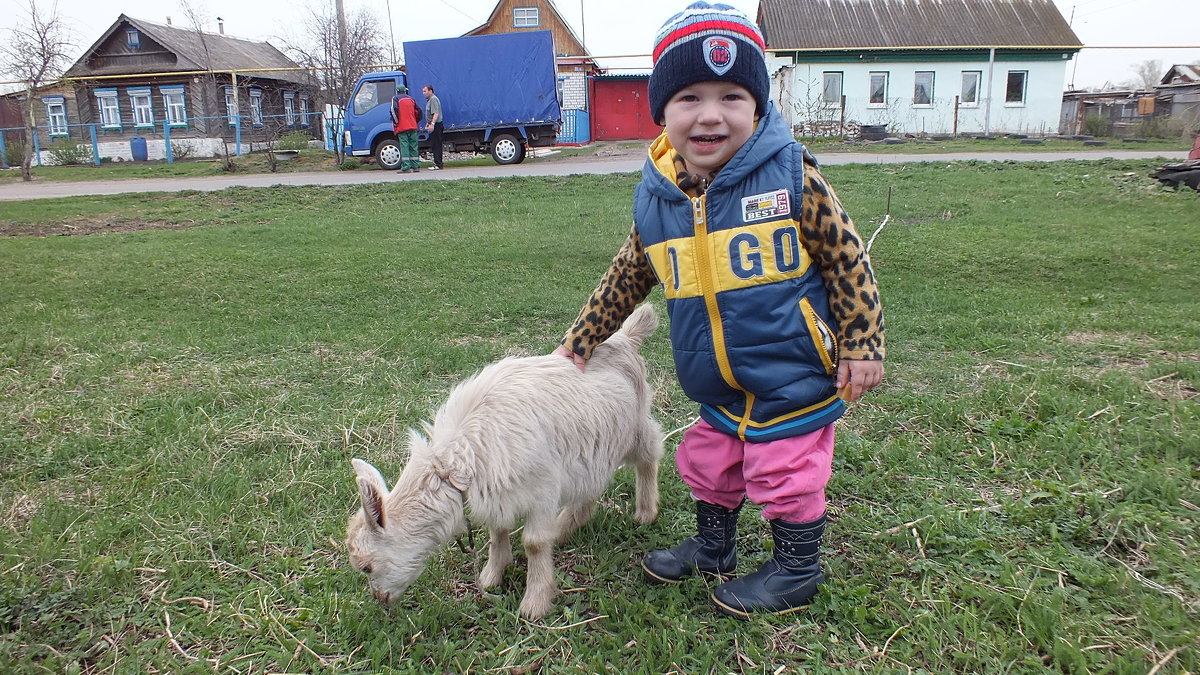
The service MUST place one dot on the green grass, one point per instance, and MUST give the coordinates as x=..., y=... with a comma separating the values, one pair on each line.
x=322, y=160
x=180, y=406
x=1002, y=143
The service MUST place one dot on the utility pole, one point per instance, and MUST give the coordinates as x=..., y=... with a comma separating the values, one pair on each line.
x=341, y=33
x=392, y=33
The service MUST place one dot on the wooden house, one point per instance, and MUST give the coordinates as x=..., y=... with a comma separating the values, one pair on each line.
x=915, y=66
x=574, y=63
x=200, y=90
x=1181, y=87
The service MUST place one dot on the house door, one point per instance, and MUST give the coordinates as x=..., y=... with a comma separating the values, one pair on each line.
x=620, y=110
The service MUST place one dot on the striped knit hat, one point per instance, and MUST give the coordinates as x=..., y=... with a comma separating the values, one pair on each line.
x=704, y=43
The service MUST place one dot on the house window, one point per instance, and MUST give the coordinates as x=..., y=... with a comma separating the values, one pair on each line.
x=878, y=90
x=230, y=106
x=110, y=109
x=175, y=104
x=256, y=114
x=970, y=87
x=304, y=120
x=1014, y=91
x=143, y=109
x=525, y=17
x=133, y=38
x=56, y=115
x=289, y=107
x=923, y=88
x=831, y=89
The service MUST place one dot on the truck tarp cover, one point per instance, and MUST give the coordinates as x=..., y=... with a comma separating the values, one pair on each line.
x=488, y=80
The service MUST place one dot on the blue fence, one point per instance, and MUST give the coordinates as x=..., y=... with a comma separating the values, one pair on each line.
x=576, y=127
x=97, y=134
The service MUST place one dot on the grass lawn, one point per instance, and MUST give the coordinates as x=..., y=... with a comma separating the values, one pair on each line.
x=181, y=399
x=322, y=160
x=996, y=144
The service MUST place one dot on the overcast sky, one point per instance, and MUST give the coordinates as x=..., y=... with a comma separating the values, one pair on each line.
x=627, y=27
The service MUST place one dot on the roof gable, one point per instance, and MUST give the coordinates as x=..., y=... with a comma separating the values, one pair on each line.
x=913, y=24
x=188, y=50
x=1182, y=73
x=566, y=43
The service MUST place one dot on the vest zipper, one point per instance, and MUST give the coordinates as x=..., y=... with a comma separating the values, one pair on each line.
x=709, y=291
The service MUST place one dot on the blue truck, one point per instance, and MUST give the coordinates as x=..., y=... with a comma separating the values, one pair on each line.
x=498, y=95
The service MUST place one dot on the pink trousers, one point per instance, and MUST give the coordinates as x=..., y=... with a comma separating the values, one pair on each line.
x=787, y=477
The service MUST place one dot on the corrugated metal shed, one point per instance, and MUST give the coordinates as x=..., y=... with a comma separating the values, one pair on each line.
x=791, y=25
x=188, y=46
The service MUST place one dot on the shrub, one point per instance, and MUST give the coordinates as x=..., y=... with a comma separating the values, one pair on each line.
x=64, y=151
x=1095, y=125
x=295, y=140
x=182, y=149
x=14, y=150
x=349, y=165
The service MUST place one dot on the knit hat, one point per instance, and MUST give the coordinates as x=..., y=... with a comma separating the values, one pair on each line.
x=704, y=43
x=401, y=89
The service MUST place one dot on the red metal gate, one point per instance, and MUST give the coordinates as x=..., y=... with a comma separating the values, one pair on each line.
x=620, y=110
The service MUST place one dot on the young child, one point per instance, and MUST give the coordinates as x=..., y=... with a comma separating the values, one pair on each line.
x=772, y=303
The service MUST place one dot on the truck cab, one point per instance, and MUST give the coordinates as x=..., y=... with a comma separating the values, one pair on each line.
x=368, y=121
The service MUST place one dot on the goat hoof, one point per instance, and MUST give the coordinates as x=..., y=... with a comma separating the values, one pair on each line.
x=533, y=609
x=645, y=517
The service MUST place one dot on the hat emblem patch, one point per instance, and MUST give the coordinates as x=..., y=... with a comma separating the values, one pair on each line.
x=720, y=53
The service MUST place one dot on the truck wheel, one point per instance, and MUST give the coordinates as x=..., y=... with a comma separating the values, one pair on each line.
x=387, y=154
x=507, y=149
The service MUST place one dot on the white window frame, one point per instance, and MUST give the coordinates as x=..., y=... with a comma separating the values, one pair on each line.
x=1024, y=88
x=829, y=77
x=230, y=106
x=526, y=17
x=304, y=112
x=977, y=75
x=289, y=107
x=56, y=115
x=109, y=107
x=871, y=88
x=143, y=106
x=133, y=38
x=918, y=78
x=174, y=105
x=256, y=107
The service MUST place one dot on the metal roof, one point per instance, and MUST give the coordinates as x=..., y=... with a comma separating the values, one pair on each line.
x=188, y=46
x=790, y=25
x=1182, y=73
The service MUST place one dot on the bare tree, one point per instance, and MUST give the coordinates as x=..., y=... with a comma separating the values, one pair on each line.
x=337, y=51
x=36, y=54
x=1148, y=73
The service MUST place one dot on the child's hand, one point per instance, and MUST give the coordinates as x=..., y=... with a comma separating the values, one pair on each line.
x=578, y=360
x=855, y=378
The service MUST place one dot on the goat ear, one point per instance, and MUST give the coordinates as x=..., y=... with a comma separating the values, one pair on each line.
x=371, y=489
x=418, y=444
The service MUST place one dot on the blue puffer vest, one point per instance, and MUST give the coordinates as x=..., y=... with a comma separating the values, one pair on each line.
x=755, y=342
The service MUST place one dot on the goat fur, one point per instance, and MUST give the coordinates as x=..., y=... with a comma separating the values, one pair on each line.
x=526, y=439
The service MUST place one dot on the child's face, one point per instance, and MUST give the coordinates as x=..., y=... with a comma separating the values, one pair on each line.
x=708, y=122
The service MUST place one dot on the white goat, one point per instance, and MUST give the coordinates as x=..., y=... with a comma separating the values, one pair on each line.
x=525, y=438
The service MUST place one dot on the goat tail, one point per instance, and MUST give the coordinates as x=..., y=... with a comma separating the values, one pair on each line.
x=641, y=324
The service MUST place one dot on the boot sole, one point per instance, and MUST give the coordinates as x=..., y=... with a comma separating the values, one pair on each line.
x=744, y=615
x=655, y=579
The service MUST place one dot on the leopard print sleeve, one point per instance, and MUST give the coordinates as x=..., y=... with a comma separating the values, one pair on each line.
x=628, y=281
x=834, y=244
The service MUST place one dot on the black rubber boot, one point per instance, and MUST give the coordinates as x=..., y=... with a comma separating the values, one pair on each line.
x=713, y=550
x=786, y=582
